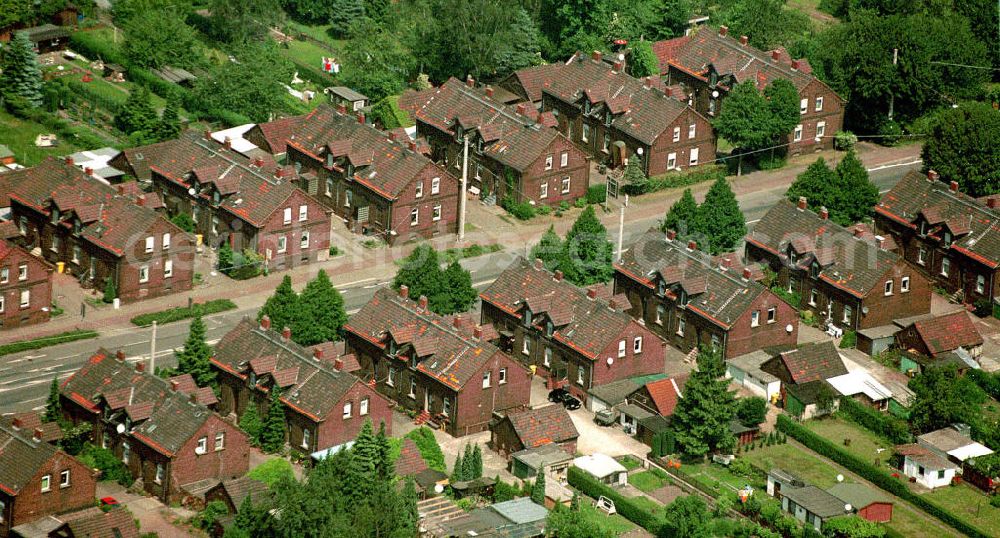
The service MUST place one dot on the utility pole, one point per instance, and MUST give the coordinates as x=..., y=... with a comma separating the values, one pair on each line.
x=152, y=350
x=892, y=98
x=462, y=193
x=621, y=228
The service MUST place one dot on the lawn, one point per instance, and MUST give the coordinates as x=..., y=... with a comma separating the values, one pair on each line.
x=648, y=481
x=599, y=520
x=317, y=32
x=717, y=477
x=864, y=443
x=970, y=504
x=629, y=462
x=306, y=52
x=19, y=135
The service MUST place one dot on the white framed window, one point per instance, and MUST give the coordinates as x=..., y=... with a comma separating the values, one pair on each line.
x=202, y=445
x=564, y=159
x=715, y=342
x=446, y=406
x=812, y=297
x=565, y=185
x=166, y=241
x=526, y=346
x=126, y=452
x=980, y=284
x=820, y=129
x=755, y=318
x=579, y=375
x=159, y=474
x=328, y=191
x=168, y=268
x=487, y=379
x=363, y=407
x=435, y=185
x=25, y=298
x=680, y=326
x=502, y=376
x=548, y=162
x=303, y=213
x=922, y=256
x=547, y=357
x=1, y=302
x=947, y=238
x=64, y=478
x=220, y=441
x=637, y=345
x=4, y=275
x=287, y=217
x=46, y=483
x=797, y=134
x=391, y=379
x=692, y=129
x=150, y=243
x=436, y=213
x=348, y=409
x=848, y=314
x=304, y=240
x=621, y=348
x=55, y=243
x=819, y=104
x=3, y=510
x=660, y=311
x=420, y=189
x=677, y=134
x=282, y=243
x=803, y=106
x=585, y=133
x=306, y=435
x=413, y=388
x=945, y=266
x=414, y=216
x=772, y=314
x=144, y=274
x=904, y=284
x=22, y=271
x=671, y=161
x=694, y=157
x=543, y=190
x=215, y=225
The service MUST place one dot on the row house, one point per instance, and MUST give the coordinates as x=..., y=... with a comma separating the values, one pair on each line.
x=248, y=203
x=614, y=117
x=804, y=373
x=526, y=84
x=578, y=338
x=324, y=405
x=707, y=64
x=513, y=152
x=38, y=480
x=378, y=183
x=163, y=430
x=532, y=428
x=25, y=287
x=442, y=368
x=273, y=136
x=98, y=232
x=845, y=278
x=692, y=300
x=946, y=235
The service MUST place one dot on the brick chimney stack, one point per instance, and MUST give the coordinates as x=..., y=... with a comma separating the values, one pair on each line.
x=140, y=200
x=69, y=160
x=932, y=175
x=470, y=82
x=824, y=213
x=692, y=246
x=723, y=31
x=618, y=66
x=795, y=65
x=88, y=171
x=775, y=55
x=265, y=323
x=859, y=232
x=140, y=367
x=361, y=118
x=318, y=354
x=174, y=385
x=477, y=332
x=120, y=355
x=596, y=55
x=422, y=303
x=17, y=423
x=338, y=364
x=489, y=91
x=747, y=273
x=744, y=40
x=671, y=235
x=992, y=202
x=803, y=203
x=456, y=322
x=591, y=293
x=286, y=334
x=207, y=134
x=539, y=264
x=393, y=136
x=522, y=109
x=228, y=143
x=37, y=435
x=557, y=275
x=404, y=291
x=647, y=83
x=953, y=187
x=412, y=144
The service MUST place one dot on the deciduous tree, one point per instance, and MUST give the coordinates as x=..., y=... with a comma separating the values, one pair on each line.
x=643, y=62
x=686, y=517
x=243, y=21
x=943, y=397
x=745, y=119
x=767, y=23
x=160, y=37
x=962, y=147
x=376, y=64
x=253, y=86
x=458, y=287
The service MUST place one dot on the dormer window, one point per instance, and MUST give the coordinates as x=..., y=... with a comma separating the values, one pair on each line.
x=662, y=289
x=549, y=329
x=329, y=160
x=253, y=379
x=586, y=107
x=682, y=298
x=350, y=169
x=55, y=215
x=923, y=227
x=479, y=145
x=791, y=255
x=392, y=347
x=77, y=226
x=459, y=132
x=527, y=318
x=608, y=118
x=814, y=270
x=216, y=197
x=947, y=239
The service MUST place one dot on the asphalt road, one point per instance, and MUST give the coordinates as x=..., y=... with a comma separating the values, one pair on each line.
x=25, y=377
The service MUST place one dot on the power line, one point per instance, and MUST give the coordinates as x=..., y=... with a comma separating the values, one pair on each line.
x=987, y=68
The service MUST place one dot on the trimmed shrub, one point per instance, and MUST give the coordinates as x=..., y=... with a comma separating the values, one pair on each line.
x=183, y=312
x=625, y=506
x=849, y=341
x=105, y=461
x=888, y=427
x=38, y=343
x=423, y=437
x=596, y=194
x=519, y=210
x=672, y=180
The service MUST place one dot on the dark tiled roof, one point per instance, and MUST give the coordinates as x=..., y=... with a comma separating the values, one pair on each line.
x=533, y=78
x=543, y=425
x=587, y=325
x=239, y=489
x=455, y=356
x=814, y=361
x=20, y=458
x=310, y=386
x=815, y=500
x=172, y=424
x=277, y=132
x=948, y=332
x=95, y=523
x=383, y=165
x=509, y=138
x=409, y=462
x=847, y=262
x=28, y=421
x=716, y=288
x=975, y=227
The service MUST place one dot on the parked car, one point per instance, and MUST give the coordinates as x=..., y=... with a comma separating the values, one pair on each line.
x=606, y=417
x=563, y=397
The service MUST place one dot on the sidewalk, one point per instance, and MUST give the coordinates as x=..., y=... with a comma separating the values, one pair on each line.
x=359, y=265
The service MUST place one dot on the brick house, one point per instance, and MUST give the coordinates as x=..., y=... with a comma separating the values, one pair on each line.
x=532, y=428
x=613, y=117
x=707, y=64
x=38, y=480
x=378, y=183
x=98, y=231
x=946, y=235
x=577, y=337
x=442, y=367
x=526, y=84
x=167, y=438
x=691, y=300
x=273, y=136
x=31, y=421
x=844, y=278
x=25, y=287
x=324, y=406
x=803, y=373
x=512, y=152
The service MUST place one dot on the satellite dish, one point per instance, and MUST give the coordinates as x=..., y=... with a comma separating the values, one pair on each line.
x=611, y=361
x=438, y=488
x=789, y=328
x=120, y=428
x=840, y=478
x=715, y=94
x=192, y=192
x=639, y=151
x=848, y=507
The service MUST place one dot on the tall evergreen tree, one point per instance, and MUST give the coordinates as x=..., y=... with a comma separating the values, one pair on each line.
x=250, y=423
x=521, y=47
x=169, y=126
x=364, y=464
x=281, y=307
x=53, y=407
x=682, y=216
x=549, y=249
x=635, y=179
x=587, y=252
x=818, y=183
x=272, y=436
x=383, y=461
x=319, y=315
x=458, y=471
x=701, y=419
x=459, y=291
x=538, y=489
x=194, y=358
x=477, y=461
x=21, y=75
x=343, y=14
x=137, y=114
x=420, y=272
x=467, y=464
x=720, y=218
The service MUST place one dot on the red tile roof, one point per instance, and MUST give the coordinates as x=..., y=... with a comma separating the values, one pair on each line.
x=409, y=462
x=543, y=425
x=277, y=132
x=666, y=393
x=948, y=332
x=815, y=361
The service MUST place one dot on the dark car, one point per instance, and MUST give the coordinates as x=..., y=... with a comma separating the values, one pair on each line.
x=563, y=397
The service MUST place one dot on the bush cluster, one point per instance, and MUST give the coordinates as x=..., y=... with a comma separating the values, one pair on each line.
x=183, y=312
x=625, y=506
x=38, y=343
x=886, y=426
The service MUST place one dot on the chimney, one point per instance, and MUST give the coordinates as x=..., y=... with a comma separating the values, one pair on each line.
x=422, y=303
x=120, y=355
x=880, y=241
x=824, y=213
x=726, y=262
x=668, y=91
x=404, y=291
x=286, y=334
x=88, y=171
x=258, y=162
x=140, y=367
x=558, y=275
x=121, y=189
x=671, y=235
x=744, y=40
x=17, y=423
x=477, y=332
x=412, y=144
x=613, y=304
x=859, y=232
x=953, y=186
x=338, y=364
x=522, y=109
x=279, y=172
x=992, y=202
x=591, y=293
x=647, y=83
x=69, y=160
x=361, y=118
x=795, y=65
x=37, y=436
x=489, y=91
x=265, y=323
x=342, y=108
x=932, y=175
x=775, y=55
x=193, y=397
x=618, y=66
x=538, y=117
x=470, y=82
x=456, y=322
x=723, y=31
x=596, y=55
x=803, y=203
x=174, y=385
x=539, y=264
x=318, y=354
x=140, y=200
x=393, y=136
x=747, y=273
x=692, y=245
x=207, y=134
x=228, y=143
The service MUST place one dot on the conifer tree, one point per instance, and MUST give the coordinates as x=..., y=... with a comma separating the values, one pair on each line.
x=383, y=463
x=21, y=75
x=458, y=472
x=319, y=315
x=856, y=194
x=194, y=358
x=460, y=293
x=273, y=431
x=110, y=290
x=420, y=272
x=549, y=249
x=720, y=218
x=137, y=114
x=280, y=308
x=53, y=407
x=364, y=463
x=250, y=423
x=169, y=126
x=682, y=215
x=538, y=489
x=635, y=178
x=343, y=14
x=477, y=461
x=587, y=252
x=467, y=470
x=701, y=419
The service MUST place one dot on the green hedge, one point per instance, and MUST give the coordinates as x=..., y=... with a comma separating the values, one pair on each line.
x=596, y=194
x=631, y=511
x=183, y=312
x=685, y=178
x=38, y=343
x=989, y=382
x=429, y=449
x=873, y=474
x=889, y=427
